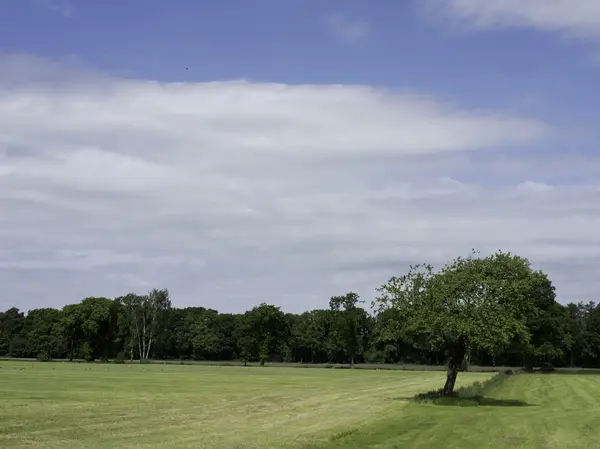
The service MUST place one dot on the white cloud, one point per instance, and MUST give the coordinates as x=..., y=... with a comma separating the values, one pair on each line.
x=350, y=31
x=533, y=187
x=570, y=17
x=231, y=194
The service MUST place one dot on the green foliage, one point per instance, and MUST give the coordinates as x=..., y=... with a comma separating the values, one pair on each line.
x=471, y=303
x=145, y=317
x=87, y=352
x=260, y=332
x=43, y=357
x=286, y=353
x=263, y=354
x=120, y=358
x=11, y=324
x=350, y=327
x=495, y=309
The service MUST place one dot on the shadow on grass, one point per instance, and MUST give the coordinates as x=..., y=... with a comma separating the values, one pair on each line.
x=480, y=401
x=468, y=401
x=476, y=394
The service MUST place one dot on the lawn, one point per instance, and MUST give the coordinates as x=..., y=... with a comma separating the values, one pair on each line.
x=61, y=405
x=528, y=411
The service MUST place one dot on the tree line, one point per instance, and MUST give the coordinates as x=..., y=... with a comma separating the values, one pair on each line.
x=482, y=311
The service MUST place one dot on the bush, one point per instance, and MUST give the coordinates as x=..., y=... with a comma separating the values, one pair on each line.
x=43, y=357
x=547, y=369
x=464, y=366
x=263, y=353
x=88, y=352
x=286, y=354
x=120, y=359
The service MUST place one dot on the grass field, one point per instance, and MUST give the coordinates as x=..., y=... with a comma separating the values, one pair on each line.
x=62, y=405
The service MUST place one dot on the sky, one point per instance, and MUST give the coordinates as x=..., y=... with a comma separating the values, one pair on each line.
x=240, y=152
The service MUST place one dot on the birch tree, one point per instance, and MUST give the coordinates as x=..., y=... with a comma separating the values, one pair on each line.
x=146, y=317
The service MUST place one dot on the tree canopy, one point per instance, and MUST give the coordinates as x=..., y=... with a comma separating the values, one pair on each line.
x=470, y=304
x=493, y=310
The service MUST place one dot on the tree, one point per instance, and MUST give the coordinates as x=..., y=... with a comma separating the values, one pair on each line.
x=584, y=332
x=42, y=335
x=260, y=332
x=349, y=323
x=471, y=303
x=459, y=295
x=205, y=337
x=316, y=335
x=89, y=327
x=11, y=323
x=146, y=316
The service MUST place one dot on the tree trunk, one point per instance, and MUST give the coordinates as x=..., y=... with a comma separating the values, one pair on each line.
x=148, y=349
x=455, y=359
x=352, y=362
x=71, y=344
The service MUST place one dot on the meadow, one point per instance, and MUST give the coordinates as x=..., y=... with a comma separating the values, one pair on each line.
x=70, y=405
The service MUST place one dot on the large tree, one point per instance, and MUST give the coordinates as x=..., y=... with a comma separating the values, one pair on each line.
x=349, y=323
x=260, y=332
x=88, y=327
x=471, y=303
x=11, y=323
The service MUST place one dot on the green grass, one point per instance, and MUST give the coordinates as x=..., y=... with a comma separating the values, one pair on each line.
x=62, y=405
x=540, y=411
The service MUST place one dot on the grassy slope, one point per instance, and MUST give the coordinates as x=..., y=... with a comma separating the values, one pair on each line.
x=102, y=406
x=61, y=405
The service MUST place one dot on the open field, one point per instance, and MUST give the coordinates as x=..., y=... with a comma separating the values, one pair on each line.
x=62, y=405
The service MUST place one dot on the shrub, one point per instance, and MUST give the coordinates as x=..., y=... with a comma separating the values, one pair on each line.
x=263, y=353
x=547, y=369
x=43, y=357
x=88, y=352
x=286, y=354
x=464, y=366
x=120, y=359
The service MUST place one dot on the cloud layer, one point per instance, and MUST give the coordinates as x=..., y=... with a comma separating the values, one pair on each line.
x=235, y=193
x=570, y=17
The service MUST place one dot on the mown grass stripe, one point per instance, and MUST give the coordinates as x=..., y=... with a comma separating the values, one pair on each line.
x=154, y=406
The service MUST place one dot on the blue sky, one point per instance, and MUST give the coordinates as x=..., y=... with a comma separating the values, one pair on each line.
x=296, y=42
x=420, y=129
